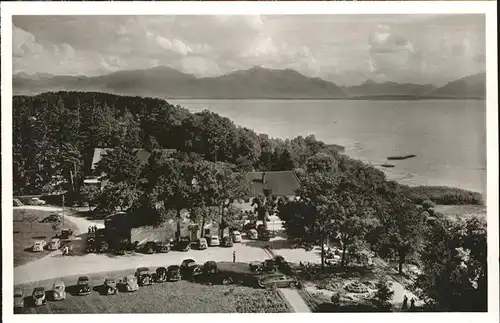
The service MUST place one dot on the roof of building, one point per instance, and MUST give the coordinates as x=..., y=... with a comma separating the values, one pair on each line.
x=142, y=154
x=281, y=183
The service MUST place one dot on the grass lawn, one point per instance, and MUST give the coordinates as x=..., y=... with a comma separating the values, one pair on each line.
x=462, y=211
x=168, y=297
x=27, y=229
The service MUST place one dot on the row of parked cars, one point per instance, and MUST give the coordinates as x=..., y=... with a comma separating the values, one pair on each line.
x=272, y=272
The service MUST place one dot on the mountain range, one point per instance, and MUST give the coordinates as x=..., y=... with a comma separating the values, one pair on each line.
x=253, y=83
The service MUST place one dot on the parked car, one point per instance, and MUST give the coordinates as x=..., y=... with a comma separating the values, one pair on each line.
x=83, y=286
x=161, y=274
x=110, y=286
x=277, y=280
x=39, y=245
x=214, y=241
x=143, y=276
x=236, y=236
x=253, y=234
x=185, y=264
x=193, y=272
x=130, y=284
x=183, y=245
x=54, y=244
x=66, y=234
x=202, y=244
x=227, y=241
x=17, y=202
x=103, y=246
x=18, y=298
x=162, y=247
x=53, y=218
x=38, y=296
x=120, y=250
x=59, y=290
x=264, y=235
x=210, y=267
x=91, y=245
x=256, y=267
x=149, y=247
x=174, y=273
x=37, y=201
x=269, y=266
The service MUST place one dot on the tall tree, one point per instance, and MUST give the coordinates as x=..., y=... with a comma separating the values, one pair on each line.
x=120, y=164
x=401, y=228
x=454, y=265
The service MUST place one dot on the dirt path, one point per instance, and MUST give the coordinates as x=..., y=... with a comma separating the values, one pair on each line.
x=297, y=302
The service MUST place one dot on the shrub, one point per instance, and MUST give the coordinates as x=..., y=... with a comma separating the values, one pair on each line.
x=383, y=295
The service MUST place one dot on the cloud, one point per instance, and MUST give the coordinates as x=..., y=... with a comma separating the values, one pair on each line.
x=200, y=66
x=24, y=43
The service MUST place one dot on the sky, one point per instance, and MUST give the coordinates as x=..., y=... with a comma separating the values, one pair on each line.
x=345, y=49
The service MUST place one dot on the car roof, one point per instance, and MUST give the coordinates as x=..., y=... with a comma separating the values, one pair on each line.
x=83, y=278
x=236, y=231
x=142, y=268
x=39, y=289
x=172, y=267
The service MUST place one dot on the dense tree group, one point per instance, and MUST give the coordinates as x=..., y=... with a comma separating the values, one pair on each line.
x=54, y=135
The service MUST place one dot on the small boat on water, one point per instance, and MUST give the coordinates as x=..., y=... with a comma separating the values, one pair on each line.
x=387, y=165
x=401, y=157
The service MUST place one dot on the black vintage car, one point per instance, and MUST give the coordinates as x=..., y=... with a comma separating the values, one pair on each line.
x=103, y=246
x=231, y=272
x=256, y=267
x=149, y=247
x=91, y=245
x=185, y=264
x=227, y=241
x=210, y=268
x=82, y=285
x=144, y=277
x=174, y=273
x=269, y=266
x=183, y=245
x=110, y=286
x=120, y=250
x=161, y=274
x=162, y=247
x=264, y=235
x=193, y=272
x=66, y=234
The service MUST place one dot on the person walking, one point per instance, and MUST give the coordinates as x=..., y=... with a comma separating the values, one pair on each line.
x=234, y=256
x=65, y=251
x=412, y=304
x=405, y=303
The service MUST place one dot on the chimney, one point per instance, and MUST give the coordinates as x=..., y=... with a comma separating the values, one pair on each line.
x=264, y=177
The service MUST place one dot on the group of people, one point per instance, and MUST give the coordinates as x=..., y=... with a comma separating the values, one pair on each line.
x=92, y=228
x=405, y=304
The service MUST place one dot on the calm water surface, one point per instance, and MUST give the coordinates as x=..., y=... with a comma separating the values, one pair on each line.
x=448, y=137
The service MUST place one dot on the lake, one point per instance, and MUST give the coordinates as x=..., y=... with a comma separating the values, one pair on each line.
x=448, y=136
